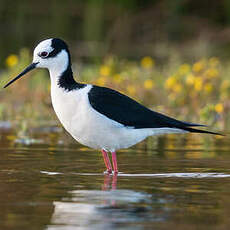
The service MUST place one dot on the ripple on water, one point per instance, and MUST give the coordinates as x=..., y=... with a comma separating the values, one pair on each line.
x=158, y=175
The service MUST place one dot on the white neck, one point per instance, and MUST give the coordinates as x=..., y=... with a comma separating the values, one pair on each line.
x=58, y=66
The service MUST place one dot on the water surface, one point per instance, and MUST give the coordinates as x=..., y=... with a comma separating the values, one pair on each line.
x=48, y=181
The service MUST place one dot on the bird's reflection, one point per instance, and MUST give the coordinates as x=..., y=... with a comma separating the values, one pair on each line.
x=102, y=209
x=110, y=182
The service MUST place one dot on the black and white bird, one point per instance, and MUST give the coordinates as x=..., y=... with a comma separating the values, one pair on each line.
x=98, y=117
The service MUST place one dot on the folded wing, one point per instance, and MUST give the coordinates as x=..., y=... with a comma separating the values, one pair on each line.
x=128, y=112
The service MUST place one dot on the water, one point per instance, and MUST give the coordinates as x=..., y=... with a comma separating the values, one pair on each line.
x=48, y=181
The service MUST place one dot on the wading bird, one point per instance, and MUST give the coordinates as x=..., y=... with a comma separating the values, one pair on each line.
x=98, y=117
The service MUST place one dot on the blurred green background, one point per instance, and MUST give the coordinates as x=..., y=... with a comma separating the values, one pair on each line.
x=173, y=56
x=127, y=28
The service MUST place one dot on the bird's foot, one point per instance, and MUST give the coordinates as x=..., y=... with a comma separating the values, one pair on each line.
x=108, y=172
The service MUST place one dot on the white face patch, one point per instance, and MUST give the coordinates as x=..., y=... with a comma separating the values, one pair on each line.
x=43, y=46
x=56, y=65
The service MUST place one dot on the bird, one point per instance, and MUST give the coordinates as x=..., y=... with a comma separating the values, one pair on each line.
x=98, y=117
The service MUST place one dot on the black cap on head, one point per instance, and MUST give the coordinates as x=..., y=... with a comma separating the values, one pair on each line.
x=58, y=45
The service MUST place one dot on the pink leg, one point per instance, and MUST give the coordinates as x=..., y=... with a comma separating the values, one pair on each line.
x=107, y=161
x=114, y=159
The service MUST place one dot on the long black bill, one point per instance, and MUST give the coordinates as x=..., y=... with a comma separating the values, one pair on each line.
x=29, y=68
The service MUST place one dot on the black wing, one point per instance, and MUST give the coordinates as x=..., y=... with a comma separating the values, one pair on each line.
x=128, y=112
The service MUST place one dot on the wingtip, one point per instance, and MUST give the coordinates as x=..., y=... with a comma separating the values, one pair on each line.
x=189, y=125
x=192, y=130
x=194, y=124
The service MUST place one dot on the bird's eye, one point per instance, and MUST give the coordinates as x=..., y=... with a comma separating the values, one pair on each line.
x=43, y=54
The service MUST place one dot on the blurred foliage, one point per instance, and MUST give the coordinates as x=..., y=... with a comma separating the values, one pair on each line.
x=130, y=28
x=198, y=91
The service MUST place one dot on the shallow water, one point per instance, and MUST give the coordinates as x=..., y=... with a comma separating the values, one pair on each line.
x=48, y=181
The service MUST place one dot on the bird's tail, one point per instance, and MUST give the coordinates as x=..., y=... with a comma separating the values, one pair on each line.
x=192, y=130
x=169, y=122
x=187, y=126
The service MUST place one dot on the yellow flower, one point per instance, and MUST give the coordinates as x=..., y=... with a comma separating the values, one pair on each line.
x=105, y=70
x=101, y=81
x=11, y=60
x=184, y=69
x=117, y=78
x=177, y=88
x=225, y=85
x=208, y=88
x=198, y=66
x=212, y=73
x=214, y=61
x=131, y=89
x=170, y=82
x=219, y=108
x=147, y=62
x=190, y=79
x=198, y=84
x=148, y=84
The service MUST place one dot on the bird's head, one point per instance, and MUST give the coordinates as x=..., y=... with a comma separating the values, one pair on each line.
x=52, y=54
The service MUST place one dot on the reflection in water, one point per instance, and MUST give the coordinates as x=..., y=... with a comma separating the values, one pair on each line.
x=110, y=207
x=105, y=209
x=107, y=182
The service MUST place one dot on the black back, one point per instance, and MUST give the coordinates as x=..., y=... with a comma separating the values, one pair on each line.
x=128, y=112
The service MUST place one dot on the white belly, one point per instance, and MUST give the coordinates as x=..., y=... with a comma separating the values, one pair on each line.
x=86, y=125
x=91, y=128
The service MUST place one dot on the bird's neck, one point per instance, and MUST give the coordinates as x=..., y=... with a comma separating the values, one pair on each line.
x=62, y=77
x=67, y=82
